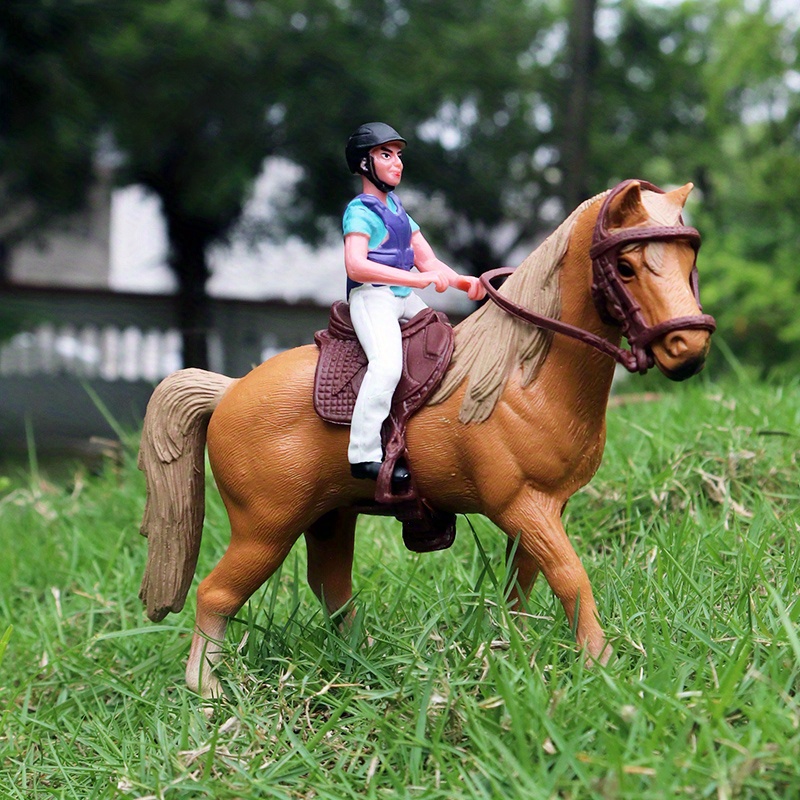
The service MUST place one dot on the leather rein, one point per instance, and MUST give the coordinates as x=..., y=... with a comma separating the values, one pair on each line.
x=614, y=302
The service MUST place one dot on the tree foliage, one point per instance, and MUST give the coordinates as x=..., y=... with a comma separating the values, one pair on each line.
x=513, y=110
x=710, y=92
x=461, y=81
x=183, y=90
x=48, y=120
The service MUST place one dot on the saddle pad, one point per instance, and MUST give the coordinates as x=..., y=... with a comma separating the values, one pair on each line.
x=427, y=348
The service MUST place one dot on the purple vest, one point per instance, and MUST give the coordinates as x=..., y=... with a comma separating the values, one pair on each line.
x=395, y=250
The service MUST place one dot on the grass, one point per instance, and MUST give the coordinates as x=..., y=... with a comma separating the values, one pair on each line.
x=689, y=533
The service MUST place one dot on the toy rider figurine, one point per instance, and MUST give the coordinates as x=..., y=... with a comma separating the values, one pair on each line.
x=381, y=245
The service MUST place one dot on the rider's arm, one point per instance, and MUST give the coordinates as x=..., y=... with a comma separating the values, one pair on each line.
x=425, y=260
x=361, y=269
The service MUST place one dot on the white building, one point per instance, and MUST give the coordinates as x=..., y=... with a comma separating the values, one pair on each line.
x=121, y=244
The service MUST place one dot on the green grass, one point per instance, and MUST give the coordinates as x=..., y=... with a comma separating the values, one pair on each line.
x=689, y=533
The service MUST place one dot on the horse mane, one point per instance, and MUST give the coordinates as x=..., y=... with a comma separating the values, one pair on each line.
x=490, y=343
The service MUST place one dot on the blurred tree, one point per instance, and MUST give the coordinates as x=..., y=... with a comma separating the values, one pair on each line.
x=469, y=85
x=710, y=92
x=753, y=203
x=198, y=93
x=576, y=108
x=514, y=111
x=183, y=88
x=47, y=116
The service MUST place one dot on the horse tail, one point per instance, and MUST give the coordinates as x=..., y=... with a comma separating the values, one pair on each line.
x=172, y=457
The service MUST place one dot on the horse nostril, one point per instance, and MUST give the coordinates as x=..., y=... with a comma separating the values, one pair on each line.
x=675, y=344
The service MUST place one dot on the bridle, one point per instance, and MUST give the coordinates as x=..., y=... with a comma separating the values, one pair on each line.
x=614, y=302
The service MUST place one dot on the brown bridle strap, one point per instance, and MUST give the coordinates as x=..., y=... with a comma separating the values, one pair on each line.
x=620, y=355
x=614, y=302
x=650, y=234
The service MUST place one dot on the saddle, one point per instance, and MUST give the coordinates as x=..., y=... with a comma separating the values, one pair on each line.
x=427, y=349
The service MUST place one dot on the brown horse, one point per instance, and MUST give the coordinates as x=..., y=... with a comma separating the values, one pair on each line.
x=517, y=426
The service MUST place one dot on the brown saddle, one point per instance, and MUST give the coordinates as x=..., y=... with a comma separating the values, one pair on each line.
x=427, y=349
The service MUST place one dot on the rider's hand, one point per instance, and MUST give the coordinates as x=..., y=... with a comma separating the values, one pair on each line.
x=472, y=286
x=438, y=279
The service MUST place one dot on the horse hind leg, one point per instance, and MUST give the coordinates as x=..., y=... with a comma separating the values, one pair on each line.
x=252, y=557
x=330, y=542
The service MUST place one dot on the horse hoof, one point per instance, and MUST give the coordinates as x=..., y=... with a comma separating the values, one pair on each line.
x=601, y=656
x=212, y=689
x=209, y=689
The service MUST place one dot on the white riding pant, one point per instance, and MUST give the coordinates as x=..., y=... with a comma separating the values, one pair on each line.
x=376, y=313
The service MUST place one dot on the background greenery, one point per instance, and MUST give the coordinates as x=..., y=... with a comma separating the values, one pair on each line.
x=689, y=533
x=516, y=111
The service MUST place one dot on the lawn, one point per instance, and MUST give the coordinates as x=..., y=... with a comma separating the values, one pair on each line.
x=689, y=533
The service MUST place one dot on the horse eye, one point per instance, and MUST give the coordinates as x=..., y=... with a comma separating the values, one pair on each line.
x=625, y=270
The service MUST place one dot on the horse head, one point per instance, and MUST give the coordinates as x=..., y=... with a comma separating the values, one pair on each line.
x=644, y=282
x=645, y=278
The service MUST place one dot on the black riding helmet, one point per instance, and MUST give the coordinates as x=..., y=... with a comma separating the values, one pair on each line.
x=361, y=141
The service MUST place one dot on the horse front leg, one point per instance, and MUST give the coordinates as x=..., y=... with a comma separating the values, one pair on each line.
x=536, y=520
x=329, y=543
x=524, y=571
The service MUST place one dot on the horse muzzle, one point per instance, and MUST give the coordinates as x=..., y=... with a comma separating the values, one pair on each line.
x=680, y=354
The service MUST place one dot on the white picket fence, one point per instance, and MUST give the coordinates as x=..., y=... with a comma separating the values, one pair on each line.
x=115, y=347
x=89, y=351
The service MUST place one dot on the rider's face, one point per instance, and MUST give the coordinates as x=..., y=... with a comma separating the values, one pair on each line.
x=388, y=162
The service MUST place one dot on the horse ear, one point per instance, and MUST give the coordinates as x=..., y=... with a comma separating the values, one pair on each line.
x=626, y=208
x=678, y=196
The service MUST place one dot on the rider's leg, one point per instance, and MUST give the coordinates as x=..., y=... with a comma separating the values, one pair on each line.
x=411, y=306
x=375, y=313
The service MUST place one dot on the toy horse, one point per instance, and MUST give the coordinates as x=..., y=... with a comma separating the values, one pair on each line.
x=516, y=427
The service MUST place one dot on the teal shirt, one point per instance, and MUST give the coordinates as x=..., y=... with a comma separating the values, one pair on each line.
x=359, y=219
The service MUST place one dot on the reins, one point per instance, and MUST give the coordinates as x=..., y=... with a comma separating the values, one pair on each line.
x=613, y=300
